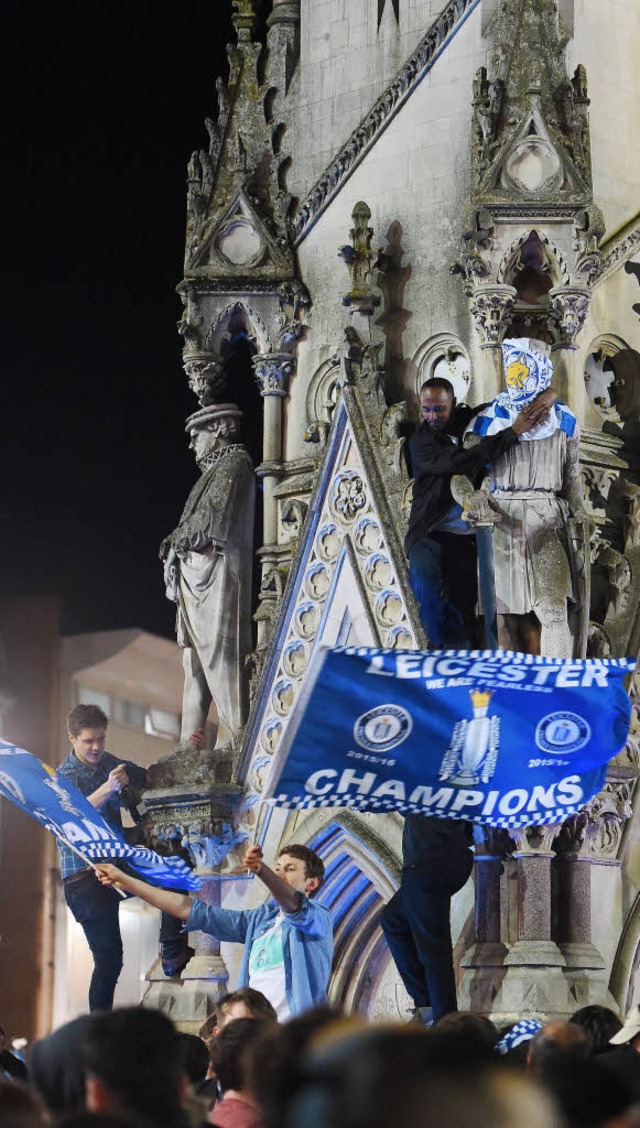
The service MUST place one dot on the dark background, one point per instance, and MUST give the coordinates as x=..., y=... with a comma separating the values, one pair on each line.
x=104, y=105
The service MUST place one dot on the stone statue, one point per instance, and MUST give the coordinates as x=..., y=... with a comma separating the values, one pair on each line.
x=208, y=563
x=541, y=541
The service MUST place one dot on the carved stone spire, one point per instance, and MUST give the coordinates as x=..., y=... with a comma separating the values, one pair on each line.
x=531, y=123
x=236, y=205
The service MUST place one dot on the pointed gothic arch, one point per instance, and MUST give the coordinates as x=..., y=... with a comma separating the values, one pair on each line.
x=515, y=260
x=238, y=318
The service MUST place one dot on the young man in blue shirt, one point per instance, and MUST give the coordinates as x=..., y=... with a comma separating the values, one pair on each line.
x=288, y=940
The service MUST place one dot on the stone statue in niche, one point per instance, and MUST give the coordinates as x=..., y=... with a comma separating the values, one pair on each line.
x=208, y=563
x=542, y=538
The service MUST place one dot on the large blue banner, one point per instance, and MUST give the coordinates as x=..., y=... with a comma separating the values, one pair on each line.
x=61, y=808
x=495, y=737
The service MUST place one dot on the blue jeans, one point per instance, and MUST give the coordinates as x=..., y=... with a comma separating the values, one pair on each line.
x=95, y=907
x=443, y=576
x=417, y=927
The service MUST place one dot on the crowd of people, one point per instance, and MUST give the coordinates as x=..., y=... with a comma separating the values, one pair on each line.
x=131, y=1068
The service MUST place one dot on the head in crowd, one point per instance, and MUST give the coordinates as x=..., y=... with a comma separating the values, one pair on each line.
x=56, y=1068
x=86, y=717
x=437, y=401
x=468, y=1029
x=229, y=1053
x=600, y=1025
x=557, y=1039
x=585, y=1091
x=415, y=1078
x=19, y=1106
x=301, y=868
x=275, y=1059
x=246, y=1002
x=195, y=1057
x=98, y=1120
x=133, y=1066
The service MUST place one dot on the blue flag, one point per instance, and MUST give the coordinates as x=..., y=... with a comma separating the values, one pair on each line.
x=495, y=737
x=61, y=808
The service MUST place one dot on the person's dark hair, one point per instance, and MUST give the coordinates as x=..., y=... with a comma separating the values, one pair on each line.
x=19, y=1107
x=557, y=1040
x=468, y=1029
x=137, y=1055
x=86, y=717
x=229, y=1051
x=195, y=1057
x=588, y=1094
x=253, y=1000
x=600, y=1024
x=55, y=1066
x=313, y=864
x=274, y=1061
x=439, y=382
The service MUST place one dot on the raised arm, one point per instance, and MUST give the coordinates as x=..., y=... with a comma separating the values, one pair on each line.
x=289, y=899
x=176, y=904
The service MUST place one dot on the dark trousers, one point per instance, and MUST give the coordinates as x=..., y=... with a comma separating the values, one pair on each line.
x=96, y=909
x=443, y=575
x=417, y=927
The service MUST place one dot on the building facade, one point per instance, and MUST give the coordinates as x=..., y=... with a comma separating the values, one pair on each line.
x=389, y=188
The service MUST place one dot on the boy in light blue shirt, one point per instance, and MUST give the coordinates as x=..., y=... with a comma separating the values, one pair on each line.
x=288, y=940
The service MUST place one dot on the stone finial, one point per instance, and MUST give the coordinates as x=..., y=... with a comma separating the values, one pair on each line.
x=360, y=260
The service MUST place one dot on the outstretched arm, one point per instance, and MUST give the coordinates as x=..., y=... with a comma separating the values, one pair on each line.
x=289, y=899
x=176, y=904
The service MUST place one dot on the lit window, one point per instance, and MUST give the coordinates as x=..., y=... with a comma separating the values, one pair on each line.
x=160, y=723
x=129, y=713
x=88, y=696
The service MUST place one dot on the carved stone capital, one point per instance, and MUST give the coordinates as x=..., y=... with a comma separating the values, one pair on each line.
x=491, y=307
x=206, y=376
x=536, y=840
x=273, y=372
x=570, y=305
x=596, y=831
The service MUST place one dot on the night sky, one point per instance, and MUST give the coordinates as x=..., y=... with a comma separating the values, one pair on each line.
x=103, y=106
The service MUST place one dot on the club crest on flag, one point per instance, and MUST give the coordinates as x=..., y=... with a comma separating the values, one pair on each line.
x=382, y=728
x=472, y=756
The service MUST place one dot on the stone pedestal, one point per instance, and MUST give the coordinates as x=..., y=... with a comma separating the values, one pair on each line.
x=192, y=805
x=483, y=964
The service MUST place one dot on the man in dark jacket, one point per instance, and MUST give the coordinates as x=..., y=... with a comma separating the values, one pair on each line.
x=440, y=546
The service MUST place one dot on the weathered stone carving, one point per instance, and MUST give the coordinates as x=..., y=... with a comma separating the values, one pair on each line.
x=491, y=307
x=207, y=562
x=359, y=258
x=598, y=828
x=570, y=305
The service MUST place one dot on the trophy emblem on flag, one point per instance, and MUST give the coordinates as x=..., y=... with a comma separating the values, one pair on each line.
x=472, y=755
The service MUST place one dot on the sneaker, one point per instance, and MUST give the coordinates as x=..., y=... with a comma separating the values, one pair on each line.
x=173, y=968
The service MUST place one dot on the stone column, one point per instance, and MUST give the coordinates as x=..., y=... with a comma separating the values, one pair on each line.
x=273, y=372
x=534, y=984
x=491, y=308
x=570, y=305
x=478, y=988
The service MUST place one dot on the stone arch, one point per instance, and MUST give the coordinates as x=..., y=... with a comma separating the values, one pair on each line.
x=521, y=256
x=444, y=355
x=238, y=317
x=322, y=394
x=626, y=960
x=362, y=873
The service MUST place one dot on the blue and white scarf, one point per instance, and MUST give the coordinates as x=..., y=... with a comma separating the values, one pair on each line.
x=528, y=372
